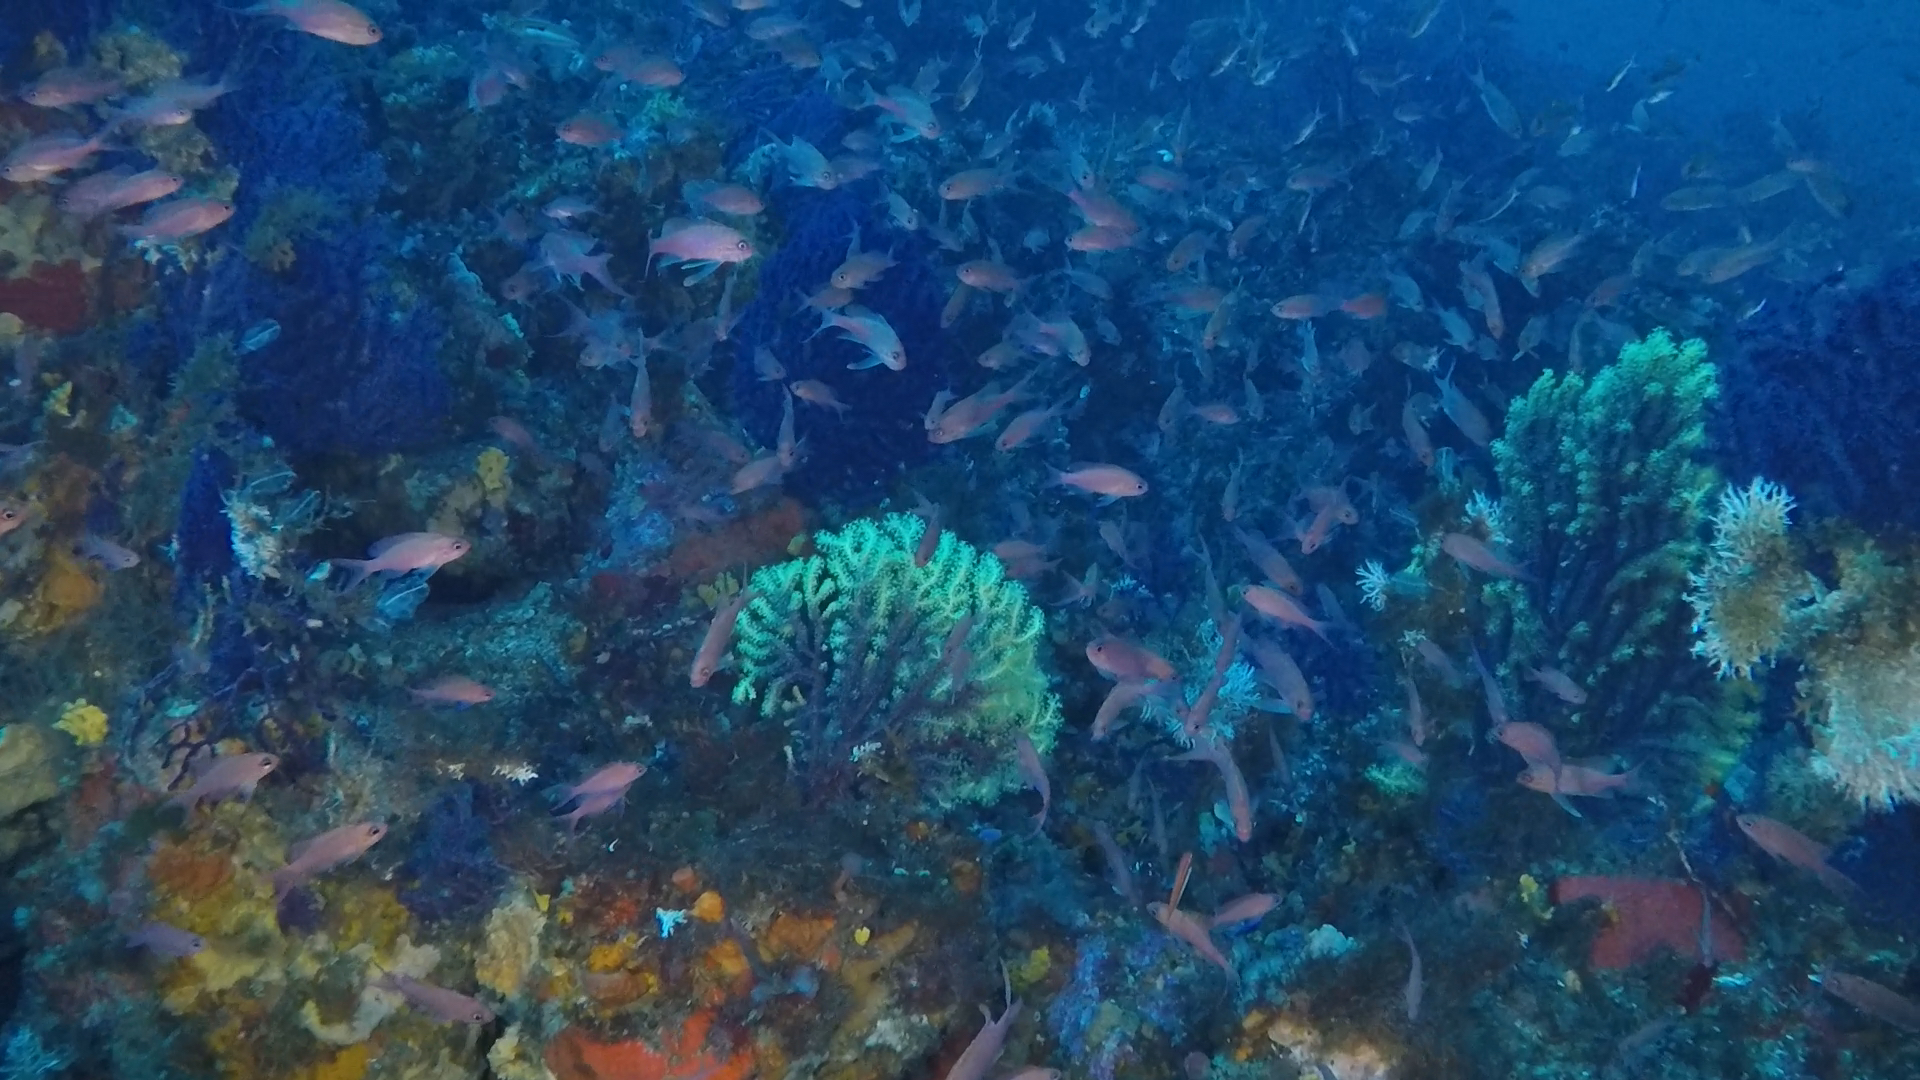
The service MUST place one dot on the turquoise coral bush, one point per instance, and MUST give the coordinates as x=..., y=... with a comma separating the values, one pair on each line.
x=1603, y=489
x=854, y=649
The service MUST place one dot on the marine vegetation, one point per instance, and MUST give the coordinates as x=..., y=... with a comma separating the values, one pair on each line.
x=883, y=653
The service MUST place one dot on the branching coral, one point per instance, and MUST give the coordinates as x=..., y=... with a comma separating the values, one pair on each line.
x=1859, y=639
x=1603, y=489
x=852, y=649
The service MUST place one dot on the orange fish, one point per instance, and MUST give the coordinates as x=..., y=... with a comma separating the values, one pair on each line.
x=1790, y=845
x=453, y=690
x=1111, y=481
x=718, y=638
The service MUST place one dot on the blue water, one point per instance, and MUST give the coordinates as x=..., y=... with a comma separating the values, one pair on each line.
x=599, y=540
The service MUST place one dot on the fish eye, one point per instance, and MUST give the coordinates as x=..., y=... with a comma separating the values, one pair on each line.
x=373, y=30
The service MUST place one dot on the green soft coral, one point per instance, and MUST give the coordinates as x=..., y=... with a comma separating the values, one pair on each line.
x=847, y=648
x=1603, y=488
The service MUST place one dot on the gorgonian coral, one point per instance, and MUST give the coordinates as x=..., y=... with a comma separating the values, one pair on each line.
x=875, y=663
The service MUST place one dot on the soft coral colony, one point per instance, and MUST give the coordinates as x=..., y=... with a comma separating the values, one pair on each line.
x=421, y=410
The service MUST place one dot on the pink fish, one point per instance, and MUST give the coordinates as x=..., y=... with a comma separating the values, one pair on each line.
x=703, y=244
x=1277, y=669
x=615, y=779
x=333, y=20
x=178, y=219
x=635, y=65
x=46, y=156
x=1209, y=747
x=70, y=86
x=984, y=1051
x=735, y=199
x=103, y=193
x=236, y=774
x=453, y=690
x=1790, y=845
x=169, y=104
x=1533, y=743
x=1271, y=563
x=990, y=276
x=1123, y=696
x=164, y=939
x=1577, y=780
x=872, y=332
x=12, y=516
x=447, y=1006
x=319, y=854
x=1189, y=928
x=1110, y=481
x=105, y=552
x=1476, y=554
x=588, y=130
x=1126, y=662
x=569, y=254
x=1873, y=999
x=1282, y=608
x=1557, y=683
x=1243, y=909
x=592, y=806
x=404, y=554
x=719, y=636
x=1034, y=772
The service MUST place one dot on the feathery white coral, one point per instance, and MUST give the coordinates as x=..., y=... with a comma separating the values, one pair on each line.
x=1869, y=745
x=1744, y=597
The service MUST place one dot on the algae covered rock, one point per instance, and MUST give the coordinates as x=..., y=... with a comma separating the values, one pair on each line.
x=28, y=777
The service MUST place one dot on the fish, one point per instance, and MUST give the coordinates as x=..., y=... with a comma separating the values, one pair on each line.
x=1125, y=661
x=453, y=690
x=1208, y=746
x=1557, y=683
x=333, y=20
x=1283, y=609
x=167, y=940
x=224, y=777
x=1111, y=481
x=12, y=516
x=872, y=332
x=329, y=850
x=718, y=638
x=1873, y=999
x=117, y=189
x=613, y=779
x=1416, y=983
x=1474, y=553
x=403, y=554
x=105, y=552
x=178, y=219
x=1243, y=909
x=447, y=1006
x=44, y=157
x=1791, y=846
x=1499, y=109
x=983, y=1052
x=1189, y=928
x=1034, y=772
x=1579, y=780
x=66, y=86
x=704, y=245
x=1276, y=668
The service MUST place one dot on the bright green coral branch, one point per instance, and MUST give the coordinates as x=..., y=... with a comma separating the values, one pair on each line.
x=852, y=648
x=1603, y=491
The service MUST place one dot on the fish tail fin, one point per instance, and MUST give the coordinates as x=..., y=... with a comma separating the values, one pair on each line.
x=358, y=570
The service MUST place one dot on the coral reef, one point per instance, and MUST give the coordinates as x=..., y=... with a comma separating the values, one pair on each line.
x=1603, y=487
x=1856, y=635
x=854, y=648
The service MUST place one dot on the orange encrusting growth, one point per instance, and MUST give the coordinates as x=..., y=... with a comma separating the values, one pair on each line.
x=685, y=1055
